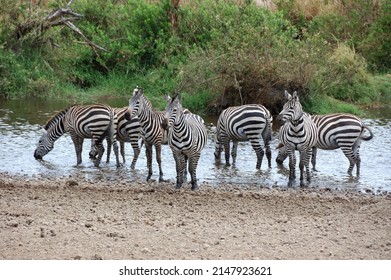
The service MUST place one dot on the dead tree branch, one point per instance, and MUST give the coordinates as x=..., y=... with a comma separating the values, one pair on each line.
x=37, y=27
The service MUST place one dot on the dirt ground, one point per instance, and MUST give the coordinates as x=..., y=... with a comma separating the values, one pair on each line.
x=77, y=219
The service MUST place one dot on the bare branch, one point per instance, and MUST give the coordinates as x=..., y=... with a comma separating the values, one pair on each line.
x=61, y=16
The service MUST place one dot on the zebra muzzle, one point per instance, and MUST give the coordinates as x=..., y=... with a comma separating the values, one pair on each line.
x=127, y=116
x=37, y=156
x=164, y=124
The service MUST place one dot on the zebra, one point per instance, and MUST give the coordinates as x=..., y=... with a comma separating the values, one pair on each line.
x=80, y=121
x=187, y=137
x=241, y=123
x=150, y=122
x=298, y=132
x=337, y=131
x=127, y=131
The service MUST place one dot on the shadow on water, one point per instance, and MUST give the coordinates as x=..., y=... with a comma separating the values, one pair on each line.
x=20, y=129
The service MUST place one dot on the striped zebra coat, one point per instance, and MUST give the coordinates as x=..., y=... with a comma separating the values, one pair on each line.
x=337, y=131
x=252, y=123
x=95, y=122
x=127, y=132
x=187, y=137
x=150, y=122
x=298, y=132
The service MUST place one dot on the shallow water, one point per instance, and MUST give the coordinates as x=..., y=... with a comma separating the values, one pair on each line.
x=20, y=129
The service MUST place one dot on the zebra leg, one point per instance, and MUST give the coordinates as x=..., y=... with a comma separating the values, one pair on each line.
x=227, y=150
x=180, y=164
x=348, y=152
x=109, y=143
x=358, y=160
x=158, y=149
x=305, y=163
x=301, y=167
x=234, y=151
x=78, y=143
x=185, y=170
x=115, y=147
x=122, y=150
x=313, y=158
x=193, y=162
x=136, y=153
x=307, y=158
x=148, y=152
x=292, y=166
x=268, y=154
x=258, y=151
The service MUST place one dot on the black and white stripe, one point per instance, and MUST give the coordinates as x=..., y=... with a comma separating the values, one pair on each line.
x=95, y=122
x=251, y=122
x=128, y=131
x=150, y=122
x=187, y=137
x=337, y=131
x=299, y=132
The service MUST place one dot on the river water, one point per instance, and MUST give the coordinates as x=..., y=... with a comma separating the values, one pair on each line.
x=20, y=129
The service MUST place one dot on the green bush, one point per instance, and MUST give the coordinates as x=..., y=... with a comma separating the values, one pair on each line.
x=344, y=76
x=221, y=53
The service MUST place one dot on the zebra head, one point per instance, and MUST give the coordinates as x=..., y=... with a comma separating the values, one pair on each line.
x=173, y=111
x=292, y=110
x=45, y=145
x=282, y=153
x=135, y=103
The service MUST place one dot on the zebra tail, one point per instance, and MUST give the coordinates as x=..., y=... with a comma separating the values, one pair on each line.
x=366, y=138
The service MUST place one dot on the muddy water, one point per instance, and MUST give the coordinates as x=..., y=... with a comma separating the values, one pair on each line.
x=20, y=129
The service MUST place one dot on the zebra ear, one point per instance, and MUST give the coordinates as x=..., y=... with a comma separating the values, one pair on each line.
x=138, y=90
x=294, y=95
x=167, y=97
x=44, y=131
x=287, y=95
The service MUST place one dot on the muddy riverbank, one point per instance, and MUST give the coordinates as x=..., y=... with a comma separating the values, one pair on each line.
x=72, y=218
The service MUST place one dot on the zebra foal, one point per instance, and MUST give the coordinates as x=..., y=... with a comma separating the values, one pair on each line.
x=95, y=122
x=187, y=137
x=252, y=123
x=337, y=131
x=150, y=122
x=298, y=132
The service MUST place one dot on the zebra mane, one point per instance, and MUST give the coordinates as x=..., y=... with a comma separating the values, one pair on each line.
x=55, y=118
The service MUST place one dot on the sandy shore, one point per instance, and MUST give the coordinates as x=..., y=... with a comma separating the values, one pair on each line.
x=76, y=219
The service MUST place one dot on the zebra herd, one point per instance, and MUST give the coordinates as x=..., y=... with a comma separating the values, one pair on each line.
x=186, y=134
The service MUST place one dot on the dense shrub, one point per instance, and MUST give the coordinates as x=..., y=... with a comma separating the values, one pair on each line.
x=219, y=54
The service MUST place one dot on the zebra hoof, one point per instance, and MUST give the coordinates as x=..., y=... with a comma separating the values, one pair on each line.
x=194, y=187
x=291, y=183
x=178, y=186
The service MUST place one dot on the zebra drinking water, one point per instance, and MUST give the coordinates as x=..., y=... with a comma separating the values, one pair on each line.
x=252, y=123
x=89, y=121
x=337, y=131
x=299, y=132
x=150, y=121
x=187, y=137
x=128, y=131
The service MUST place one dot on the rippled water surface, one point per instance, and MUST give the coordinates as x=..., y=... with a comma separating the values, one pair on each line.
x=20, y=129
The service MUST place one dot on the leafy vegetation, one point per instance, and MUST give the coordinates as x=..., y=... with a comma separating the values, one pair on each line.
x=217, y=53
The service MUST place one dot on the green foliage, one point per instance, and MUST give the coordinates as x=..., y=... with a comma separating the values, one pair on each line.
x=344, y=76
x=221, y=53
x=323, y=104
x=376, y=47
